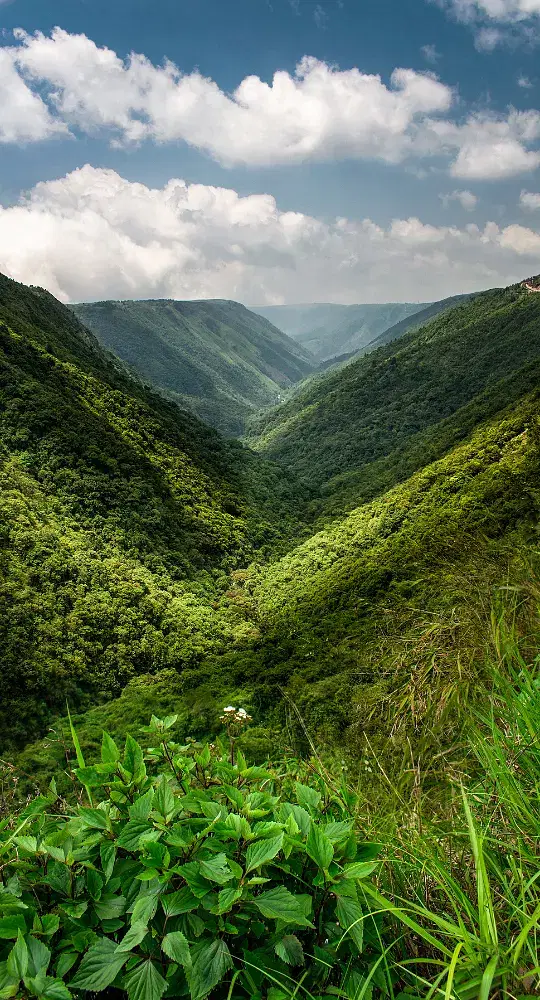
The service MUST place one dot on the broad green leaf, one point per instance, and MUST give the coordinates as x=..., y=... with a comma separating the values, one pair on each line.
x=107, y=854
x=262, y=851
x=95, y=819
x=65, y=963
x=145, y=982
x=216, y=869
x=164, y=801
x=110, y=907
x=196, y=882
x=210, y=963
x=50, y=923
x=319, y=847
x=290, y=950
x=75, y=910
x=110, y=753
x=17, y=960
x=301, y=817
x=27, y=844
x=10, y=926
x=134, y=936
x=100, y=966
x=351, y=918
x=94, y=883
x=142, y=807
x=144, y=909
x=338, y=831
x=91, y=777
x=280, y=904
x=175, y=945
x=133, y=760
x=226, y=900
x=306, y=797
x=55, y=989
x=179, y=902
x=131, y=834
x=359, y=870
x=39, y=956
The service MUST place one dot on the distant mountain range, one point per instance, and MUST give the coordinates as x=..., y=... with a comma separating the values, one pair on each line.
x=338, y=332
x=214, y=357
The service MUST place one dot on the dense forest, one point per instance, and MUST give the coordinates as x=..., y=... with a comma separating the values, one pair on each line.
x=216, y=358
x=333, y=629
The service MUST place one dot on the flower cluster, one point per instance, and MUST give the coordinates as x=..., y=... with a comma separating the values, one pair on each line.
x=237, y=715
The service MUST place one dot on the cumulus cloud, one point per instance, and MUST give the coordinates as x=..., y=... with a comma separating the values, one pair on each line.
x=93, y=234
x=529, y=201
x=317, y=113
x=466, y=199
x=23, y=115
x=497, y=22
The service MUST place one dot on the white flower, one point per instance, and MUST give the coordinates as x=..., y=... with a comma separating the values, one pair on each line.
x=230, y=708
x=242, y=713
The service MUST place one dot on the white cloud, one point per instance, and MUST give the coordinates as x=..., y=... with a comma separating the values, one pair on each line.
x=466, y=199
x=524, y=82
x=529, y=201
x=93, y=234
x=497, y=22
x=318, y=113
x=23, y=115
x=496, y=10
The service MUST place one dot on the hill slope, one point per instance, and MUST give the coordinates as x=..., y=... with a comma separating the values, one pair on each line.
x=215, y=357
x=121, y=517
x=328, y=330
x=343, y=422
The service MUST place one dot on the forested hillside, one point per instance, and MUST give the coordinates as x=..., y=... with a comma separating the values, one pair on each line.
x=327, y=329
x=214, y=357
x=406, y=403
x=121, y=519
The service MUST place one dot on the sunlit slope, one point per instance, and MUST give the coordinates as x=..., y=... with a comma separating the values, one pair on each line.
x=349, y=419
x=120, y=518
x=215, y=357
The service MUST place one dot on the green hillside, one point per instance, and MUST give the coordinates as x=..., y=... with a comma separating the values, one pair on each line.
x=121, y=519
x=413, y=322
x=328, y=330
x=214, y=357
x=378, y=406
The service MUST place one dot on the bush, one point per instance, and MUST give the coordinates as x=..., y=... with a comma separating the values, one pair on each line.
x=183, y=871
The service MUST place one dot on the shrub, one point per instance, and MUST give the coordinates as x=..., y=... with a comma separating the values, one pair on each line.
x=184, y=871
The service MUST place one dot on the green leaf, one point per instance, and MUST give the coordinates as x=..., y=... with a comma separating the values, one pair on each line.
x=142, y=807
x=351, y=918
x=95, y=819
x=210, y=964
x=9, y=985
x=338, y=831
x=175, y=945
x=65, y=963
x=216, y=869
x=262, y=851
x=107, y=853
x=133, y=760
x=131, y=834
x=226, y=900
x=196, y=882
x=290, y=950
x=100, y=966
x=110, y=907
x=144, y=909
x=145, y=982
x=90, y=777
x=10, y=926
x=94, y=883
x=55, y=989
x=164, y=801
x=306, y=797
x=359, y=870
x=134, y=936
x=50, y=923
x=280, y=904
x=319, y=847
x=39, y=956
x=110, y=753
x=17, y=960
x=179, y=902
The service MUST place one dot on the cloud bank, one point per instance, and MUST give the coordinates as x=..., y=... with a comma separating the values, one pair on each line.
x=65, y=82
x=94, y=234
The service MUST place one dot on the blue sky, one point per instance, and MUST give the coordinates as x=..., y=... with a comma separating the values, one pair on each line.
x=344, y=180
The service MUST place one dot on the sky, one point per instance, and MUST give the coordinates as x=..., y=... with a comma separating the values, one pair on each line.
x=269, y=151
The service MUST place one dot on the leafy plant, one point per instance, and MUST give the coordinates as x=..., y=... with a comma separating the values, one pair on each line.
x=186, y=874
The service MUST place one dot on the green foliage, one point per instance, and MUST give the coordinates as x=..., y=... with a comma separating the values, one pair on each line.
x=383, y=403
x=190, y=875
x=217, y=358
